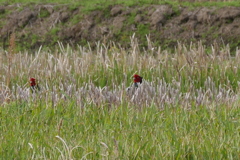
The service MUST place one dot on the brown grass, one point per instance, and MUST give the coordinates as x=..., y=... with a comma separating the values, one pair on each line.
x=67, y=75
x=10, y=55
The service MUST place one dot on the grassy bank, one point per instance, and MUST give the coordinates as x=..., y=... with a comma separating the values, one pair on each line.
x=70, y=24
x=98, y=4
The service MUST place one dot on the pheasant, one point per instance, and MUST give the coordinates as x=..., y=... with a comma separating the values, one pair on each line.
x=33, y=85
x=137, y=80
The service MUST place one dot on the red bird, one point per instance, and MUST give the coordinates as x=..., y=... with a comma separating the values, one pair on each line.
x=33, y=85
x=137, y=79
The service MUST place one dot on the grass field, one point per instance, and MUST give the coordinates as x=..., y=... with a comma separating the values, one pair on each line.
x=100, y=4
x=186, y=108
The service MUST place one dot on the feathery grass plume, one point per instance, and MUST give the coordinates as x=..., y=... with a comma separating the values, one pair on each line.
x=68, y=75
x=11, y=51
x=5, y=95
x=10, y=56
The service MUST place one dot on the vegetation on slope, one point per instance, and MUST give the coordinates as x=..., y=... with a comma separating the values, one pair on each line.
x=167, y=22
x=96, y=4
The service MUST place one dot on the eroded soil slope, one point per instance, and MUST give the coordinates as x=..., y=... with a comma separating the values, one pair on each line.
x=36, y=25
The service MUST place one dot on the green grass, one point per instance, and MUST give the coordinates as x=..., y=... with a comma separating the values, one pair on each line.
x=100, y=4
x=186, y=108
x=120, y=132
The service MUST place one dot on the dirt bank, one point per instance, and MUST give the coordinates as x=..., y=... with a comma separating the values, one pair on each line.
x=36, y=25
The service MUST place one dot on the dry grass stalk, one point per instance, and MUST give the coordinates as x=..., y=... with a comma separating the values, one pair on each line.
x=11, y=51
x=59, y=73
x=59, y=126
x=10, y=54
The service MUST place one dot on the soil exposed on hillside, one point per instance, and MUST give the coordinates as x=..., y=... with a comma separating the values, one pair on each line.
x=36, y=25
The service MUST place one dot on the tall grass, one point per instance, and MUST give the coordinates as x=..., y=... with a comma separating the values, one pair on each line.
x=31, y=131
x=186, y=108
x=96, y=4
x=105, y=73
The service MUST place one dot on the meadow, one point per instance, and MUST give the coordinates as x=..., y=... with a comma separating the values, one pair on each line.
x=100, y=4
x=186, y=108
